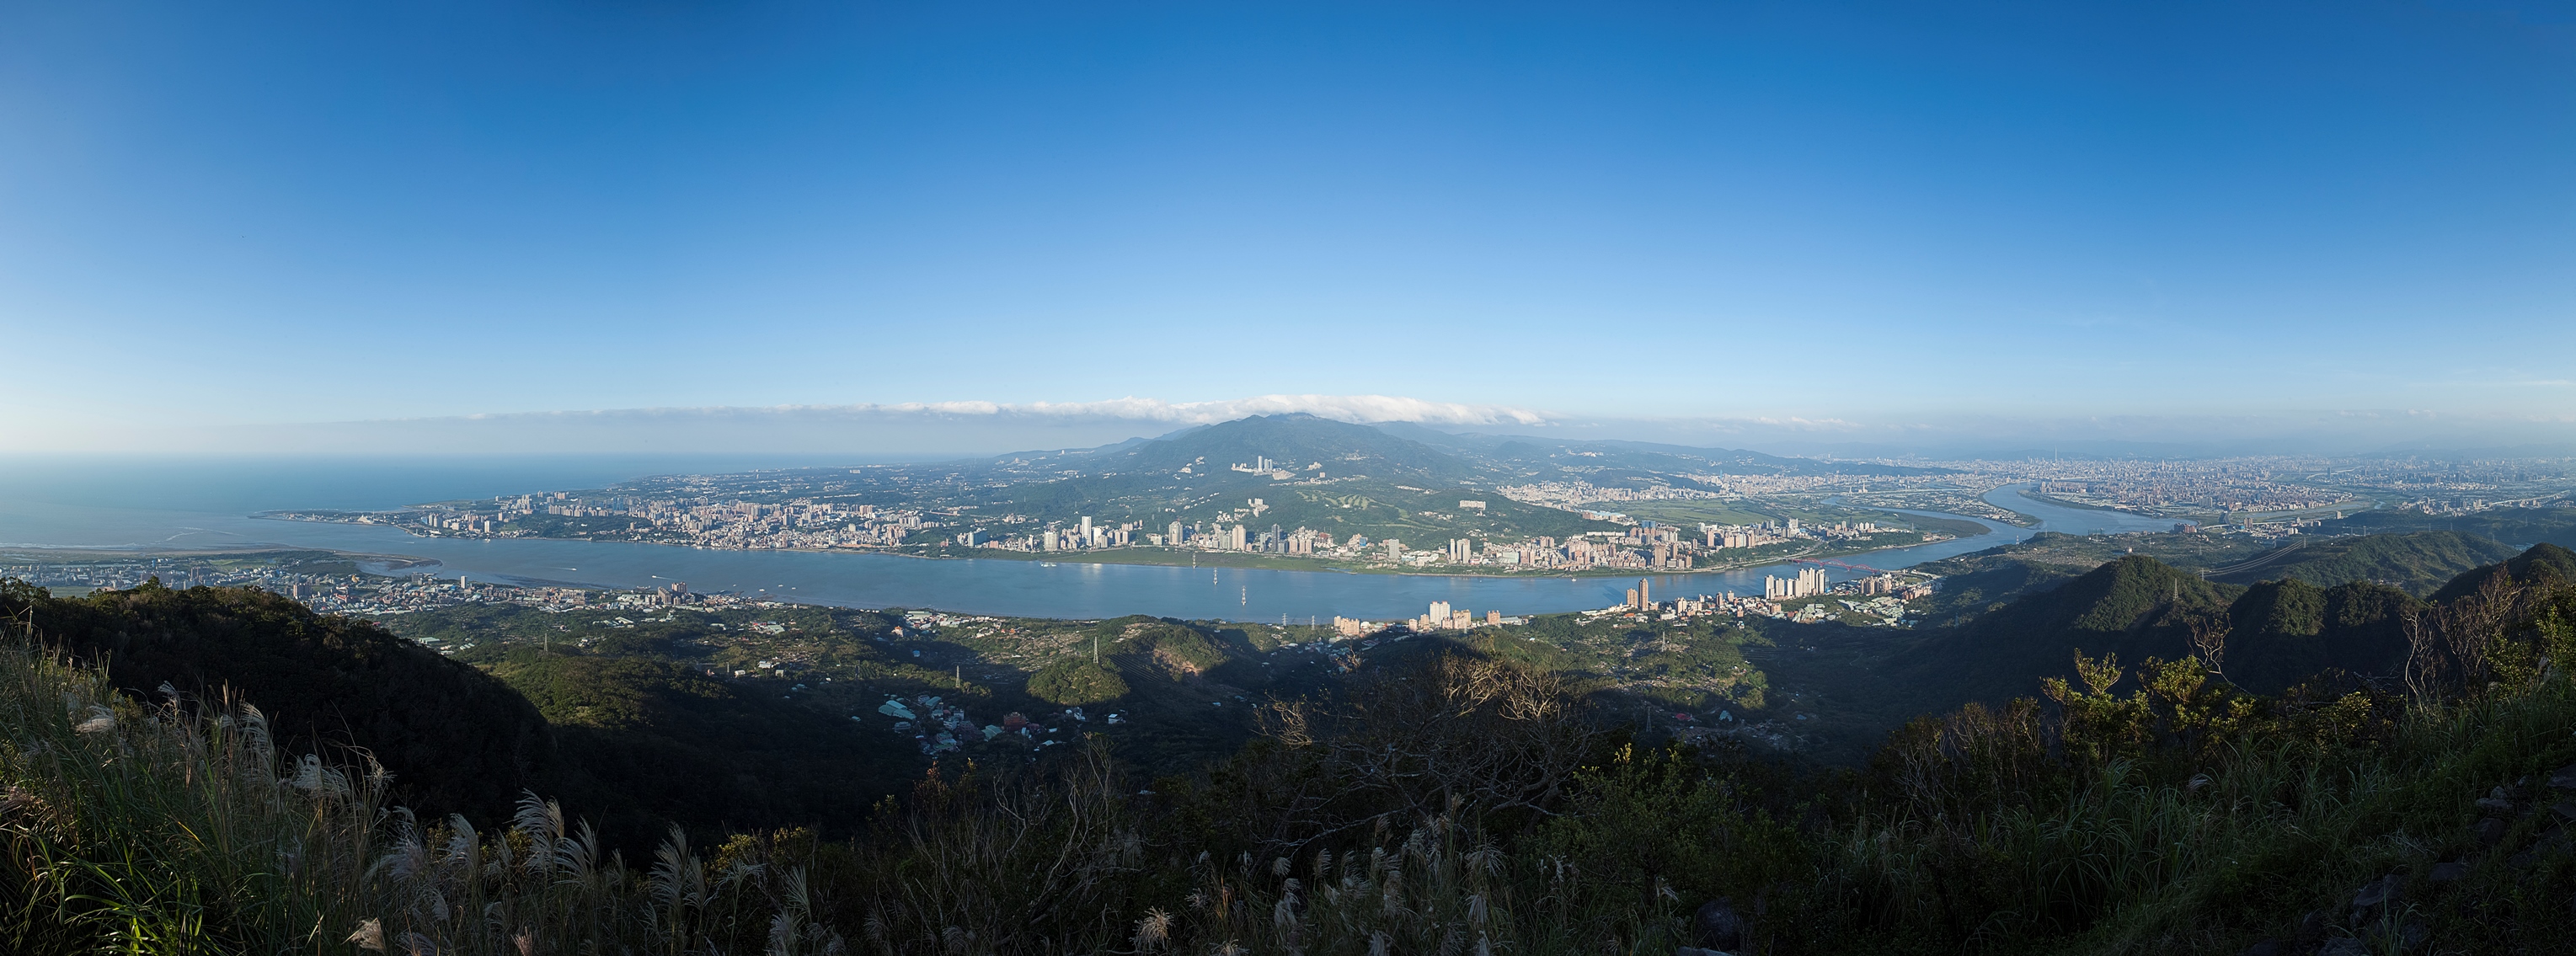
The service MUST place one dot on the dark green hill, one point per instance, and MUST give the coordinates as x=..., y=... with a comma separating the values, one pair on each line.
x=1191, y=686
x=631, y=742
x=1989, y=584
x=455, y=739
x=1978, y=582
x=1293, y=442
x=2416, y=563
x=2540, y=562
x=2514, y=526
x=2284, y=632
x=2133, y=607
x=2279, y=632
x=651, y=741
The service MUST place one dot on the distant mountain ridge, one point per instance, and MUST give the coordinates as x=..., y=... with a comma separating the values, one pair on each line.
x=2520, y=527
x=1526, y=451
x=1404, y=450
x=2416, y=563
x=2542, y=562
x=1292, y=442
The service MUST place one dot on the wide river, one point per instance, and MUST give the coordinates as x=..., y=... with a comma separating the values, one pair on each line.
x=132, y=505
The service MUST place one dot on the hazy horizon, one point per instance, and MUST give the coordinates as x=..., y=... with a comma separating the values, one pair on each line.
x=932, y=431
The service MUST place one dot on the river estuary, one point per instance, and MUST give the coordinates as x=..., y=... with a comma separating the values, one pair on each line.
x=61, y=510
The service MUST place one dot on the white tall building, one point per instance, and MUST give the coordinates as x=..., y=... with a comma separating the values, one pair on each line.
x=1809, y=583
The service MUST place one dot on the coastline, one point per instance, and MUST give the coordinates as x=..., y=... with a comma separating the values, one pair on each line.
x=83, y=555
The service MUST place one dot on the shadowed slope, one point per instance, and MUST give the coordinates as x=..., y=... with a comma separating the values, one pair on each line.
x=456, y=739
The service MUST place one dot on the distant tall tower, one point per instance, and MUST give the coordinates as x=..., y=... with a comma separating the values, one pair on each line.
x=1175, y=536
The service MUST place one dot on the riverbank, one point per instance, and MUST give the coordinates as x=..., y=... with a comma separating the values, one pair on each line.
x=1167, y=557
x=2087, y=506
x=308, y=559
x=1958, y=503
x=1950, y=528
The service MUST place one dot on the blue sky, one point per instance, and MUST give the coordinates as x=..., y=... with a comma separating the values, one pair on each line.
x=249, y=214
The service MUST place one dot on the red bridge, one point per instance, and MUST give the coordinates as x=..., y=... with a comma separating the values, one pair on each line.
x=1838, y=564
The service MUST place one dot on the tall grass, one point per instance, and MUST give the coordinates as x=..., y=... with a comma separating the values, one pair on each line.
x=177, y=827
x=1443, y=887
x=140, y=828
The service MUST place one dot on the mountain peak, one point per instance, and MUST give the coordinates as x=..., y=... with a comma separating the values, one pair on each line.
x=1299, y=443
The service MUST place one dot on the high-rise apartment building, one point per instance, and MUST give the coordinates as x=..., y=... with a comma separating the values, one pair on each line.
x=1809, y=583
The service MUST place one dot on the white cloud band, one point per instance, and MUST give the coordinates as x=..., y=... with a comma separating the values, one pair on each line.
x=1348, y=408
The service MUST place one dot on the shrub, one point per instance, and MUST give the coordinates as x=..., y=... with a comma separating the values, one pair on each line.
x=1075, y=683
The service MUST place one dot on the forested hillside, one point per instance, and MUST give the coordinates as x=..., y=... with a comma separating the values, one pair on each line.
x=2415, y=563
x=459, y=740
x=637, y=743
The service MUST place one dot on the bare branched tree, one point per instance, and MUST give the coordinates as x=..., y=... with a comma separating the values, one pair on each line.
x=2423, y=628
x=2209, y=640
x=2473, y=624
